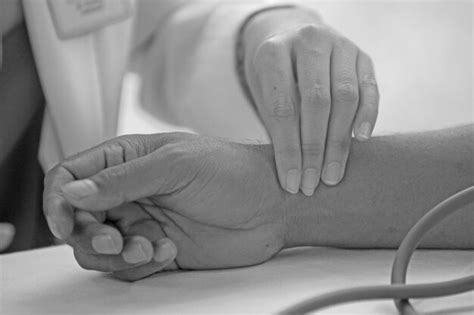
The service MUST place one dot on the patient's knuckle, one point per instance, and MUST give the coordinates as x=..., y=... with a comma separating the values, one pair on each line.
x=176, y=152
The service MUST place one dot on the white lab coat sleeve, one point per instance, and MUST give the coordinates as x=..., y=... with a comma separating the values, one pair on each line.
x=188, y=71
x=81, y=78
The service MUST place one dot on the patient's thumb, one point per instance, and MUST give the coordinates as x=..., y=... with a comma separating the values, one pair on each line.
x=157, y=173
x=82, y=192
x=113, y=186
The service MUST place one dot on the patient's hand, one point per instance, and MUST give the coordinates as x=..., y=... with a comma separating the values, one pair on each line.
x=7, y=232
x=218, y=202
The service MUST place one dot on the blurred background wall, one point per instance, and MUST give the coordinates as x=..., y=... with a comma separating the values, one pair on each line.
x=423, y=55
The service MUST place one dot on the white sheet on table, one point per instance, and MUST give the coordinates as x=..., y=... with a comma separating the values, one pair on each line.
x=49, y=281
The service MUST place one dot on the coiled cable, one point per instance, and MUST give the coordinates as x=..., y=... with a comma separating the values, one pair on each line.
x=398, y=290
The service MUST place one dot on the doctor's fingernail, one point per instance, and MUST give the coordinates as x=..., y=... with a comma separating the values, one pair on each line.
x=332, y=173
x=293, y=178
x=165, y=251
x=365, y=131
x=309, y=182
x=80, y=189
x=135, y=254
x=104, y=244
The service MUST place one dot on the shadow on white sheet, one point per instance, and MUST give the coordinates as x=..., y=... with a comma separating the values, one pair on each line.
x=49, y=281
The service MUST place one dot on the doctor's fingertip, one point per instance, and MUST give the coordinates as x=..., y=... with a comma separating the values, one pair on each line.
x=309, y=181
x=165, y=251
x=365, y=131
x=332, y=173
x=80, y=189
x=293, y=178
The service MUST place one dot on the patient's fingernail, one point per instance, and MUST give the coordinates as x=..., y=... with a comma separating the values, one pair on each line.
x=165, y=251
x=309, y=182
x=293, y=178
x=80, y=189
x=332, y=173
x=365, y=131
x=7, y=229
x=104, y=244
x=53, y=228
x=7, y=232
x=134, y=254
x=57, y=227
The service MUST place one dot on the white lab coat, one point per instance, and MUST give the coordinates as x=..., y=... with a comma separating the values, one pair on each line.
x=189, y=78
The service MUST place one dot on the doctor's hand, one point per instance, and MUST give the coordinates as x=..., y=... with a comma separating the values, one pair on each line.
x=219, y=203
x=312, y=88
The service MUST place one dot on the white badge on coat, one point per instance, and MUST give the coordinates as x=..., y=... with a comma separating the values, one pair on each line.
x=74, y=18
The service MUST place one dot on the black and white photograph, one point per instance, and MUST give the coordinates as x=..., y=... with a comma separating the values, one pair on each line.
x=237, y=157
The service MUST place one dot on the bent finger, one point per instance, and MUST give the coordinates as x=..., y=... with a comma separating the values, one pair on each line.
x=165, y=252
x=93, y=237
x=345, y=97
x=137, y=251
x=58, y=211
x=279, y=110
x=313, y=55
x=159, y=172
x=368, y=98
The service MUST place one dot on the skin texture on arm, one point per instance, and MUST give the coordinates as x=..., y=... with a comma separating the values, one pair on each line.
x=220, y=203
x=391, y=183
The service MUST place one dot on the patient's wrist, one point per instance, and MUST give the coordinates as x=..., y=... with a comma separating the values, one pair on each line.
x=301, y=214
x=302, y=217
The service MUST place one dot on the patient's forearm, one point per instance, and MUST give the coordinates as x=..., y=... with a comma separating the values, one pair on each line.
x=390, y=183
